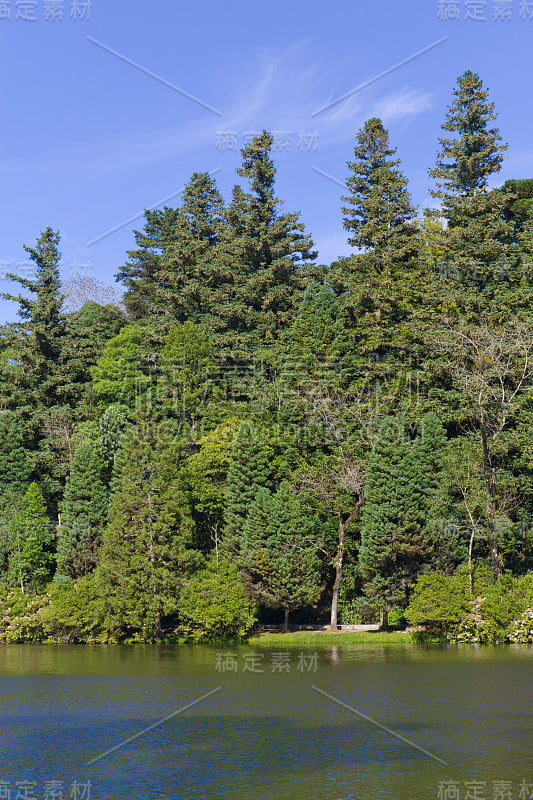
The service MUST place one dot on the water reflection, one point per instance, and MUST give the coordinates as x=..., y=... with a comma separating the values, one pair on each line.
x=266, y=733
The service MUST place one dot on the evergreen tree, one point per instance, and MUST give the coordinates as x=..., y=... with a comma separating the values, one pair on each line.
x=147, y=549
x=31, y=561
x=430, y=450
x=467, y=160
x=192, y=283
x=249, y=471
x=279, y=559
x=385, y=292
x=36, y=383
x=264, y=252
x=84, y=513
x=379, y=214
x=393, y=548
x=112, y=430
x=14, y=462
x=142, y=273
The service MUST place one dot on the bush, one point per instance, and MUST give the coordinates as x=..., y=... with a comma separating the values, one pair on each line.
x=21, y=617
x=76, y=611
x=439, y=602
x=214, y=607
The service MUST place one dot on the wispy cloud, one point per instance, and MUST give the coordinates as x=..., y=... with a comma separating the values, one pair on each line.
x=401, y=104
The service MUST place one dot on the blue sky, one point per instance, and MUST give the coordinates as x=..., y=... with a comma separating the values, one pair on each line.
x=90, y=139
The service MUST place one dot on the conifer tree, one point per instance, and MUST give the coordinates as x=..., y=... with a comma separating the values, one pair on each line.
x=379, y=214
x=383, y=288
x=36, y=345
x=31, y=561
x=112, y=429
x=36, y=383
x=430, y=450
x=393, y=548
x=14, y=462
x=147, y=549
x=141, y=274
x=279, y=559
x=264, y=251
x=466, y=161
x=248, y=472
x=84, y=514
x=192, y=284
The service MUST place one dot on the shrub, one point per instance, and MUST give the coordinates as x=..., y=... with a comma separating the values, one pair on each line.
x=214, y=607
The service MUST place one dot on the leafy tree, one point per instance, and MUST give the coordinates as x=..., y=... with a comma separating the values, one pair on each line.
x=185, y=386
x=205, y=473
x=84, y=513
x=214, y=607
x=438, y=601
x=117, y=372
x=31, y=562
x=491, y=366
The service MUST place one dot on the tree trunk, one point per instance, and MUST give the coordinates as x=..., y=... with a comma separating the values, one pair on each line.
x=336, y=588
x=490, y=511
x=343, y=526
x=383, y=619
x=286, y=619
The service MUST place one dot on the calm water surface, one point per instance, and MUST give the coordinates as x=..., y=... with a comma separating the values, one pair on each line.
x=267, y=732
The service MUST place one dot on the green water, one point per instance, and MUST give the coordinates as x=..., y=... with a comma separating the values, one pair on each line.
x=268, y=731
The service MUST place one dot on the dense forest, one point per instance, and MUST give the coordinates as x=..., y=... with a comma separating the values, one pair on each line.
x=251, y=435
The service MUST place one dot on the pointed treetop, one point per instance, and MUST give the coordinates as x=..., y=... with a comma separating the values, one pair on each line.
x=466, y=161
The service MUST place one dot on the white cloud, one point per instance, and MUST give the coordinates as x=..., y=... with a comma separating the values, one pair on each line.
x=401, y=104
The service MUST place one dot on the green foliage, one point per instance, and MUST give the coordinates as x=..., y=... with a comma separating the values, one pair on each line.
x=31, y=561
x=213, y=606
x=466, y=161
x=84, y=514
x=77, y=611
x=278, y=558
x=205, y=474
x=438, y=601
x=115, y=375
x=147, y=549
x=22, y=617
x=248, y=472
x=393, y=547
x=141, y=274
x=425, y=329
x=14, y=461
x=379, y=213
x=112, y=431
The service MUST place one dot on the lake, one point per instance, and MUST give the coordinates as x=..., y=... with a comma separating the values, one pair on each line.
x=365, y=722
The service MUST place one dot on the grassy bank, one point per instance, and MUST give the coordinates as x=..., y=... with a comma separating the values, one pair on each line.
x=319, y=638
